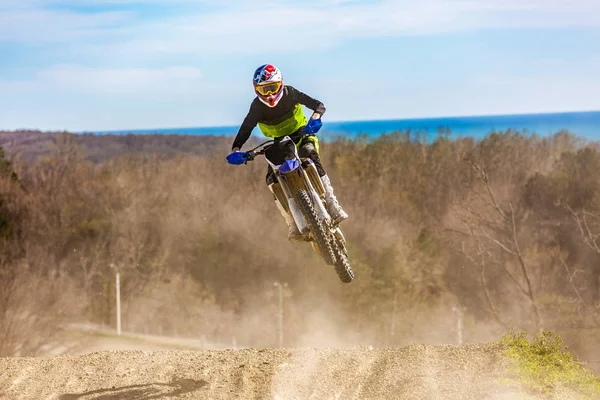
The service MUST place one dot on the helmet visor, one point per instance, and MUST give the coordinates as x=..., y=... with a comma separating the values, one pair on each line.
x=268, y=88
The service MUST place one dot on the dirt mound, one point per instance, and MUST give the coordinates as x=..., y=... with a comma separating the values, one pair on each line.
x=413, y=372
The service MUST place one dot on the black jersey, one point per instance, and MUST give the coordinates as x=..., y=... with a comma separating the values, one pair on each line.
x=283, y=119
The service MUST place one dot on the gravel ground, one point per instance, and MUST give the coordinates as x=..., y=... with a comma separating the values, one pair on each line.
x=413, y=372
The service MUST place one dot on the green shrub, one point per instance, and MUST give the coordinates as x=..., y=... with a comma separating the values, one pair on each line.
x=545, y=368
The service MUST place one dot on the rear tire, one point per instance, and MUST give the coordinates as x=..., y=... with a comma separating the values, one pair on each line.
x=318, y=229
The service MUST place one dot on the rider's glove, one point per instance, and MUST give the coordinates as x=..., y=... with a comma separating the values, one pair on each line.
x=313, y=126
x=237, y=157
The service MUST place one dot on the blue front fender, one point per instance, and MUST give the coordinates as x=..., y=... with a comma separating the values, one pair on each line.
x=289, y=166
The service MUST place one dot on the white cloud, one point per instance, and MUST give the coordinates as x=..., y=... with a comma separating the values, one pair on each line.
x=29, y=4
x=79, y=98
x=43, y=26
x=242, y=26
x=110, y=79
x=78, y=79
x=293, y=28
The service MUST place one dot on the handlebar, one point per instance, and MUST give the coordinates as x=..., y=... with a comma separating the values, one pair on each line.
x=263, y=148
x=242, y=157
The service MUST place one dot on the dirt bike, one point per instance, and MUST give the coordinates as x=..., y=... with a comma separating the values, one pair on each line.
x=304, y=195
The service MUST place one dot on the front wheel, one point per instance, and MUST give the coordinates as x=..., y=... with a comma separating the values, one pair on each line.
x=342, y=264
x=317, y=227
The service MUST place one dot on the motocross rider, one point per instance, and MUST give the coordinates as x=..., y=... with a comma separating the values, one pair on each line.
x=277, y=109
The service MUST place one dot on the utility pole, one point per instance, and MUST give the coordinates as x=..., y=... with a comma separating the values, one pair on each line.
x=459, y=322
x=118, y=296
x=280, y=286
x=393, y=325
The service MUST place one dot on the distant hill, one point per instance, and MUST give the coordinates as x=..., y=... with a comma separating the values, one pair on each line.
x=35, y=144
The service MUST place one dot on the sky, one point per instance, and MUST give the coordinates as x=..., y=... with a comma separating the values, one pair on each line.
x=85, y=65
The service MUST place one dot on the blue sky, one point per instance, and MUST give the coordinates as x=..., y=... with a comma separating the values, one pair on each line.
x=134, y=64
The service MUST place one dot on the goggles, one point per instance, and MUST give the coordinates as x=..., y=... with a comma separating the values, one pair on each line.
x=268, y=88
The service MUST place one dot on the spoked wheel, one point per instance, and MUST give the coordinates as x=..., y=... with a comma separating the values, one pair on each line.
x=317, y=227
x=342, y=264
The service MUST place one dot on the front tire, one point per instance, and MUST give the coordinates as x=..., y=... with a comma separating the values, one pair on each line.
x=318, y=229
x=342, y=264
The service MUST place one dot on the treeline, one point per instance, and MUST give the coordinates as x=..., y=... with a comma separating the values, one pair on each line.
x=482, y=234
x=32, y=145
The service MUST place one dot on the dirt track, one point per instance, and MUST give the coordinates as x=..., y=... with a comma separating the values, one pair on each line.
x=414, y=372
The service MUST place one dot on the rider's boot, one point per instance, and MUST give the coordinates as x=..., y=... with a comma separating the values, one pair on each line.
x=333, y=207
x=294, y=234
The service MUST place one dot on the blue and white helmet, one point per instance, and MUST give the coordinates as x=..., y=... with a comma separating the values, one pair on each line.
x=268, y=84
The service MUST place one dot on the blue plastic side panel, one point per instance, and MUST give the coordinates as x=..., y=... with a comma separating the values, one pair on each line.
x=289, y=166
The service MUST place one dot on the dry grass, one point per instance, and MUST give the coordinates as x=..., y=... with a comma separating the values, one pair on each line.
x=199, y=243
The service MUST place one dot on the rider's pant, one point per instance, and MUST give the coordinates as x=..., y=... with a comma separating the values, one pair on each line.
x=309, y=148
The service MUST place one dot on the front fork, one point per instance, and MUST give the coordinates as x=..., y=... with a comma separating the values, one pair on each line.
x=285, y=198
x=305, y=177
x=313, y=180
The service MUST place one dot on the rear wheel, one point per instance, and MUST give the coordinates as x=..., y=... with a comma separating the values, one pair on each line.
x=318, y=229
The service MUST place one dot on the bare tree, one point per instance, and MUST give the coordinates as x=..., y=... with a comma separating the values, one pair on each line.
x=35, y=310
x=588, y=224
x=495, y=243
x=582, y=303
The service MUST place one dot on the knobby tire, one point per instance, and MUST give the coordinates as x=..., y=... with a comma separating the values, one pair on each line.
x=317, y=227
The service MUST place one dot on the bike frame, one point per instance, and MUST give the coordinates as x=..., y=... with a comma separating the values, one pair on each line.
x=292, y=177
